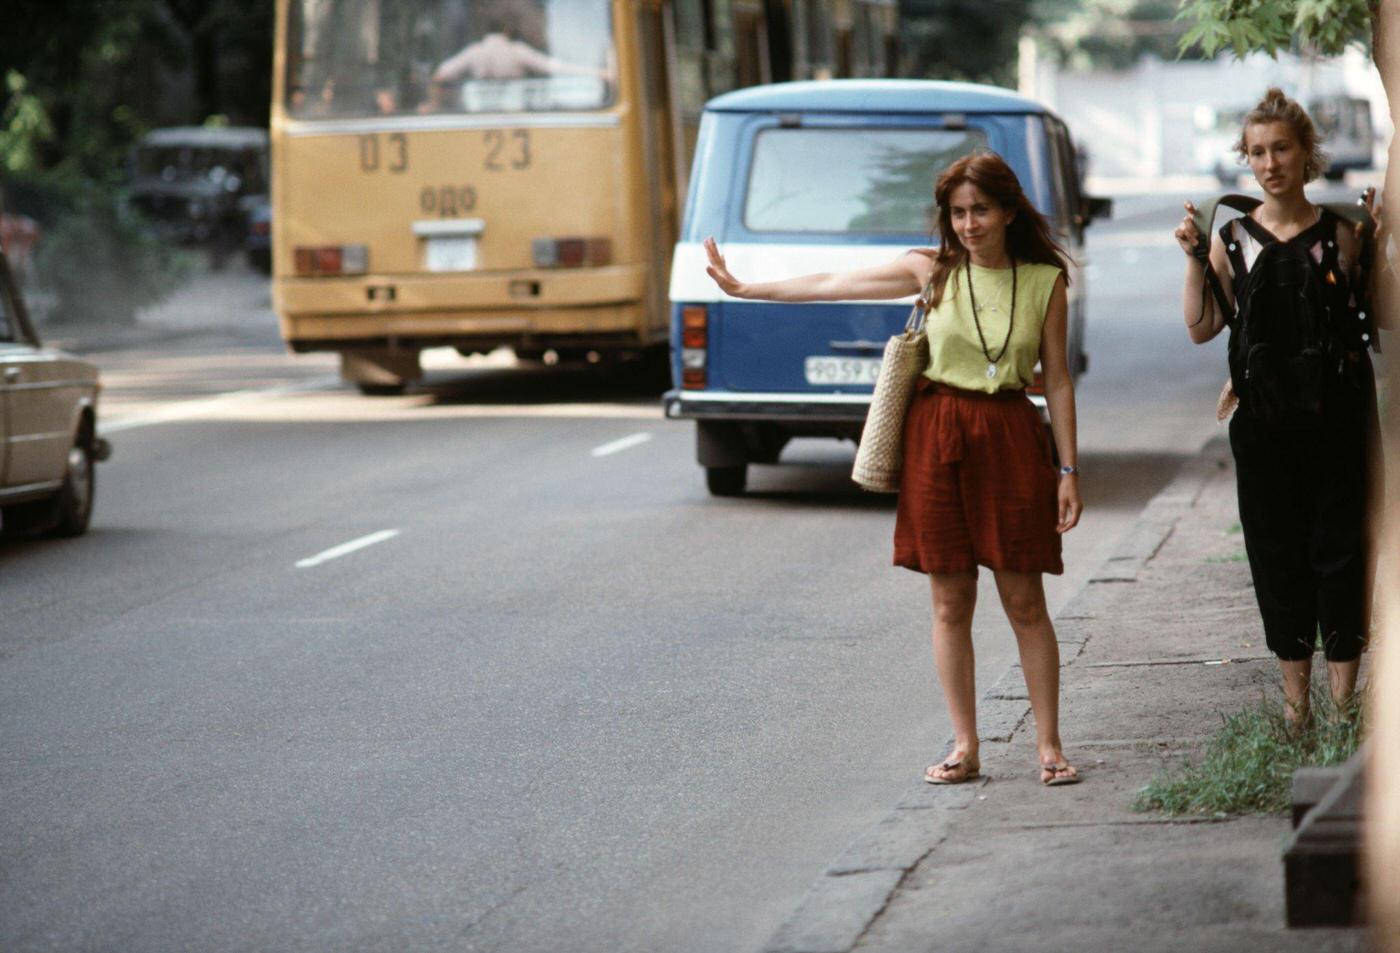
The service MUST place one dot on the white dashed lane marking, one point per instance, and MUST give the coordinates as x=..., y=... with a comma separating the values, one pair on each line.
x=345, y=549
x=616, y=446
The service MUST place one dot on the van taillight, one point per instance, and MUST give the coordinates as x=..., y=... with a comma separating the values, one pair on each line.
x=1037, y=383
x=695, y=333
x=694, y=326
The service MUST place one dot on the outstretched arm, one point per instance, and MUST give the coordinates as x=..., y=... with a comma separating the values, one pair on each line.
x=895, y=279
x=533, y=59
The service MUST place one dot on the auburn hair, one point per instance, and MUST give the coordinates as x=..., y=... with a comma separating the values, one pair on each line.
x=1028, y=236
x=1277, y=107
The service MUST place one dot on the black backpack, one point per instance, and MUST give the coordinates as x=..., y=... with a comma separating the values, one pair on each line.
x=1297, y=319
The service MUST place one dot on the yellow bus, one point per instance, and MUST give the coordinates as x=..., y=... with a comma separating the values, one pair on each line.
x=487, y=173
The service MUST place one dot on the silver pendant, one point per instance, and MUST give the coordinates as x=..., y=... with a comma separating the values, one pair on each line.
x=991, y=371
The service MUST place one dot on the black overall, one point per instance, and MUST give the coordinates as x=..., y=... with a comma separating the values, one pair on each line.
x=1302, y=493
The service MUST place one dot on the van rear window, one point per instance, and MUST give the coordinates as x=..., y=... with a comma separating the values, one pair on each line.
x=853, y=179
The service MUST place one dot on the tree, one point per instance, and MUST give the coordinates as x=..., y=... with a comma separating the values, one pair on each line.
x=106, y=70
x=1328, y=27
x=1109, y=34
x=973, y=40
x=82, y=81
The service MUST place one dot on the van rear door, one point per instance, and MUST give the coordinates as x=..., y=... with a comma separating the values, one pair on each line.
x=826, y=193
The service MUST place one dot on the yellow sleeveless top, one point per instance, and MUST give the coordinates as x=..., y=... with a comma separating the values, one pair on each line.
x=955, y=353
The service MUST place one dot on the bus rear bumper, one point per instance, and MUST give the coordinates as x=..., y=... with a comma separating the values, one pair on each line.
x=516, y=291
x=597, y=326
x=592, y=308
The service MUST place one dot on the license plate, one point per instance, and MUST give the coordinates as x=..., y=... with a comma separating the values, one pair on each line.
x=842, y=370
x=451, y=253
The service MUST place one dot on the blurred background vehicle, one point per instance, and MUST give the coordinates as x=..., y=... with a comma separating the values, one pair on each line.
x=517, y=167
x=257, y=240
x=1347, y=133
x=48, y=427
x=1344, y=122
x=1217, y=130
x=796, y=178
x=192, y=184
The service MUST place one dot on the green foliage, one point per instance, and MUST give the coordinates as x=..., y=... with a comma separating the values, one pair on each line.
x=1248, y=765
x=24, y=127
x=1228, y=558
x=83, y=82
x=1242, y=26
x=1109, y=34
x=972, y=40
x=97, y=259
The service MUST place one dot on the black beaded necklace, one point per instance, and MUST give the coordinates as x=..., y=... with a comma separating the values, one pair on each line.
x=1010, y=321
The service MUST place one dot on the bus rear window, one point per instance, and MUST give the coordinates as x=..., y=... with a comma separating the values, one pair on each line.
x=854, y=179
x=359, y=58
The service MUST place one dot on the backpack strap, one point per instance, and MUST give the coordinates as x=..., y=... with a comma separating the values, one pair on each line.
x=1234, y=251
x=1205, y=224
x=1206, y=211
x=1356, y=213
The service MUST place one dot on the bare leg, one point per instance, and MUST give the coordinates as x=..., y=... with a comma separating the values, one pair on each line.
x=1023, y=598
x=1297, y=677
x=1341, y=679
x=954, y=598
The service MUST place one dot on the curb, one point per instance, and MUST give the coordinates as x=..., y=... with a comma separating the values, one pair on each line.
x=852, y=891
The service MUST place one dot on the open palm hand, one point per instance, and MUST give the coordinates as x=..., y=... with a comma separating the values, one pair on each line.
x=719, y=271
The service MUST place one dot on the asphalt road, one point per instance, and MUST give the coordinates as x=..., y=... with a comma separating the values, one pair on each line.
x=559, y=698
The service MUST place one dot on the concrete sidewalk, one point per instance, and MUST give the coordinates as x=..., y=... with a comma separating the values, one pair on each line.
x=1161, y=642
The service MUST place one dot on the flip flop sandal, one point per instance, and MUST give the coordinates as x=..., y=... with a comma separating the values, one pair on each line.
x=969, y=772
x=1055, y=780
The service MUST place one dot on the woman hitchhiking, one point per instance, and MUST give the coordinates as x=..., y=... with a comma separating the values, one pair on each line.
x=1300, y=443
x=978, y=485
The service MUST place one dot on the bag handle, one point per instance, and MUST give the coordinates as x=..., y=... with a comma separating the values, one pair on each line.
x=917, y=314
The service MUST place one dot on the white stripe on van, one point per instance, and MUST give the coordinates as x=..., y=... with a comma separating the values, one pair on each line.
x=764, y=262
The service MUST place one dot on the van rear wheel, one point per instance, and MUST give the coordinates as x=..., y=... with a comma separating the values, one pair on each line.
x=726, y=481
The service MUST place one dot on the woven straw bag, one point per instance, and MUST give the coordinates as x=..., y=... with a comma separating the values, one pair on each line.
x=881, y=452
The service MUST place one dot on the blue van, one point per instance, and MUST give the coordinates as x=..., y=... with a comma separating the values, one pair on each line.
x=826, y=176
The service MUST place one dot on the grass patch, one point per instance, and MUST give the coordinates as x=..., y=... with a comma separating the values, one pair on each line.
x=1248, y=765
x=1234, y=529
x=1228, y=558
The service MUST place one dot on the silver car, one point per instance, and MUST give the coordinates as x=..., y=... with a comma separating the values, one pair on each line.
x=48, y=427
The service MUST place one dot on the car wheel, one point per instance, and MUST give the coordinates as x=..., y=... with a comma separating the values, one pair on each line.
x=726, y=481
x=69, y=511
x=73, y=504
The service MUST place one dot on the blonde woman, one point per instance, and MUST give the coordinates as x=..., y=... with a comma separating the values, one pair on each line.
x=1301, y=472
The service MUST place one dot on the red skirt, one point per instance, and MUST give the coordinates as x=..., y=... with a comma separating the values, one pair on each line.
x=978, y=486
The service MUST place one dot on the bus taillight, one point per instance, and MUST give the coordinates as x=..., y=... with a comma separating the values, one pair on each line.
x=313, y=260
x=695, y=333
